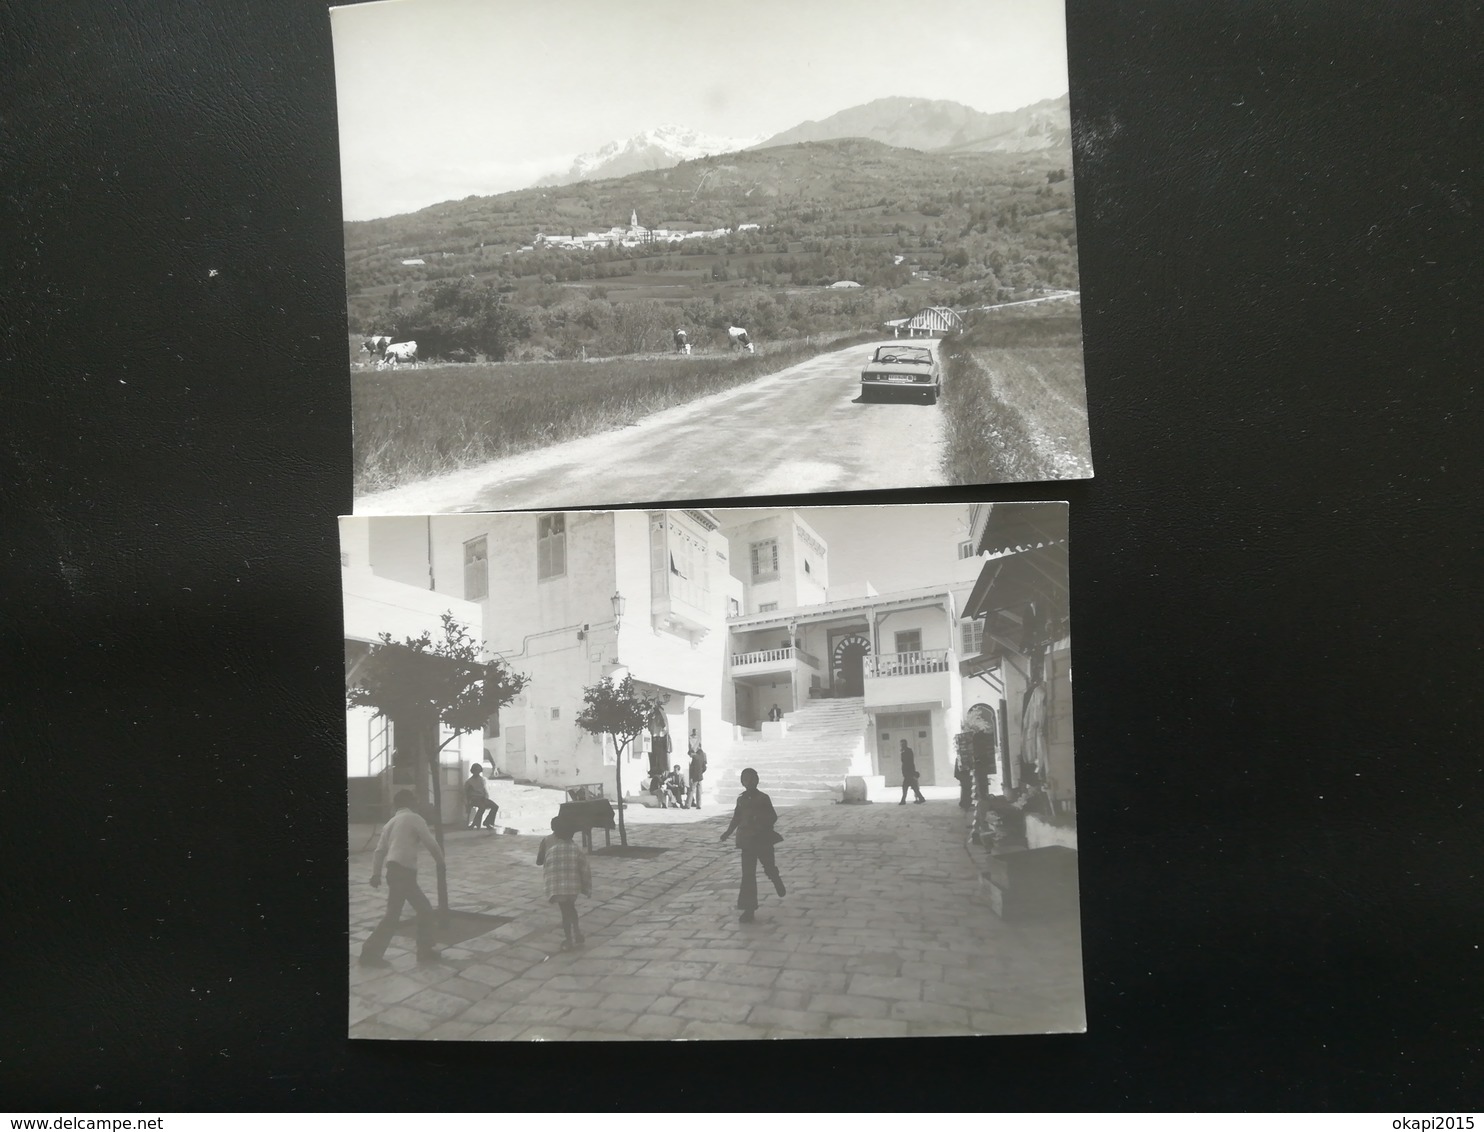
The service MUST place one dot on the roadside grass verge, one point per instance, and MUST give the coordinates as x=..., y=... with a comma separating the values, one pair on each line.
x=1015, y=399
x=413, y=424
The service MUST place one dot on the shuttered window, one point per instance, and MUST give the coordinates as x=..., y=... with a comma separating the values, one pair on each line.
x=551, y=546
x=476, y=569
x=765, y=560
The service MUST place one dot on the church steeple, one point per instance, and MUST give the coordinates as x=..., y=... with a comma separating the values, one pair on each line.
x=634, y=218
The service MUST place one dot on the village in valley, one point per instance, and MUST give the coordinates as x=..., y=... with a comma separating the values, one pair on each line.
x=804, y=645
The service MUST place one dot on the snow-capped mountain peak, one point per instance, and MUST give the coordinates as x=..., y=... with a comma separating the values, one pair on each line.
x=660, y=148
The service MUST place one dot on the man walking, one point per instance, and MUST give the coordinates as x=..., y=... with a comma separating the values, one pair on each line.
x=909, y=775
x=397, y=850
x=477, y=798
x=697, y=769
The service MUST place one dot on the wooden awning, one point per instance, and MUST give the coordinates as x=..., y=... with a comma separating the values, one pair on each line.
x=1023, y=598
x=1005, y=527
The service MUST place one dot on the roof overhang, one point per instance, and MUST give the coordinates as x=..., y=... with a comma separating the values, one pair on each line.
x=1000, y=528
x=1014, y=587
x=838, y=610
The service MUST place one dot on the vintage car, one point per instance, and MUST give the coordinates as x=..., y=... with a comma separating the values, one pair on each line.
x=909, y=369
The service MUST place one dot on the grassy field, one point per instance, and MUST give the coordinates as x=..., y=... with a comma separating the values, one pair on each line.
x=411, y=424
x=1015, y=402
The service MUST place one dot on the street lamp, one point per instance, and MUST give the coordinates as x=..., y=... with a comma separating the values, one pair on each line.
x=618, y=604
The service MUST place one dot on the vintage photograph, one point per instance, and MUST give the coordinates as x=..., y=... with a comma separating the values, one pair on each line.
x=687, y=251
x=728, y=773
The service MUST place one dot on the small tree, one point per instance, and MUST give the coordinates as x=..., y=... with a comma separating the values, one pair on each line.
x=622, y=713
x=419, y=683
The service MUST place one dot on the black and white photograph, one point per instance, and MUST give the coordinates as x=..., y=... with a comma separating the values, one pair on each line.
x=711, y=773
x=675, y=251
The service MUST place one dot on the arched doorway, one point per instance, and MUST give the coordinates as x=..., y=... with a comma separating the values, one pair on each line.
x=848, y=664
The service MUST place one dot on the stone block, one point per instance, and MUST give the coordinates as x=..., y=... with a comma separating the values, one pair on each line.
x=936, y=1012
x=566, y=998
x=608, y=1022
x=868, y=1028
x=633, y=1003
x=849, y=1005
x=441, y=1006
x=719, y=1031
x=721, y=992
x=716, y=955
x=414, y=1022
x=801, y=1020
x=818, y=981
x=675, y=969
x=653, y=1026
x=712, y=1010
x=883, y=986
x=746, y=975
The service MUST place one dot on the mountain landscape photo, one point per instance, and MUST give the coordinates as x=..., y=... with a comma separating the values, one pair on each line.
x=553, y=309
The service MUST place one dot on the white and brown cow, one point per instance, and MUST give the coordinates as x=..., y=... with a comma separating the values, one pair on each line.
x=737, y=339
x=399, y=353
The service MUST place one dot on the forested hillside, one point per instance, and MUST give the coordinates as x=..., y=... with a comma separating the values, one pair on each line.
x=913, y=228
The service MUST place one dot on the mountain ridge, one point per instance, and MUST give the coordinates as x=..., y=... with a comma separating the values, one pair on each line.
x=662, y=147
x=937, y=125
x=930, y=125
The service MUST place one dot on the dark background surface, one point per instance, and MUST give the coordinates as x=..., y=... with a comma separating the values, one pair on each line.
x=1275, y=581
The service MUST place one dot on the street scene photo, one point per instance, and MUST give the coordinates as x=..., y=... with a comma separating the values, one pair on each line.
x=711, y=773
x=598, y=259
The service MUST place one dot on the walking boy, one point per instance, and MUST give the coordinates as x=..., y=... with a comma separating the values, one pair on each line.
x=753, y=821
x=909, y=775
x=567, y=876
x=397, y=850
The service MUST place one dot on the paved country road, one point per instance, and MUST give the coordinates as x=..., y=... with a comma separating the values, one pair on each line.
x=803, y=429
x=885, y=931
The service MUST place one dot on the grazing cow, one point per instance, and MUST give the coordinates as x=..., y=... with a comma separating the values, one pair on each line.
x=400, y=352
x=376, y=345
x=681, y=345
x=738, y=339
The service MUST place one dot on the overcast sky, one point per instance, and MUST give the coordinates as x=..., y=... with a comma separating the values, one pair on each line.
x=441, y=99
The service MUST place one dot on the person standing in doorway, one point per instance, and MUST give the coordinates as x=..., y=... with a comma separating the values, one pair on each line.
x=397, y=851
x=697, y=769
x=753, y=821
x=909, y=775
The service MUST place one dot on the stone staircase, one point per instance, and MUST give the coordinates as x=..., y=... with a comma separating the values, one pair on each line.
x=825, y=742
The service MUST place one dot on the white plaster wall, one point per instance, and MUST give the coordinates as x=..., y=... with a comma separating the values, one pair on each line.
x=398, y=549
x=375, y=605
x=932, y=623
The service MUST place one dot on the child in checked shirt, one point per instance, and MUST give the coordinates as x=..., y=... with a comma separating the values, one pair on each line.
x=567, y=876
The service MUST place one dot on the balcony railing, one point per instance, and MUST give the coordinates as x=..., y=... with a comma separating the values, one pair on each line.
x=907, y=663
x=774, y=656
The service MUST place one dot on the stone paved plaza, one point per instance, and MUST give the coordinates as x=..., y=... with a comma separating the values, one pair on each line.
x=886, y=931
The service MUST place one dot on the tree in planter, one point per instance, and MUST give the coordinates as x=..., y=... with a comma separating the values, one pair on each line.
x=419, y=683
x=622, y=713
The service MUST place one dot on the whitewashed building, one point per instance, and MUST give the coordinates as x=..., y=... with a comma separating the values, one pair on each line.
x=722, y=622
